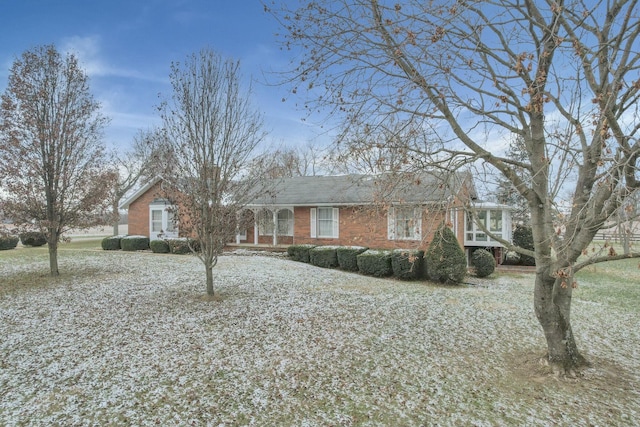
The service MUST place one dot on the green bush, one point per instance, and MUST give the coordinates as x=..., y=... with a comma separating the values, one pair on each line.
x=323, y=256
x=375, y=263
x=134, y=243
x=347, y=257
x=33, y=238
x=445, y=259
x=159, y=247
x=407, y=264
x=180, y=245
x=483, y=262
x=523, y=237
x=300, y=252
x=111, y=243
x=8, y=242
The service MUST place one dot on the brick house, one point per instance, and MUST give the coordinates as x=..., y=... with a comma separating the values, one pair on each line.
x=381, y=212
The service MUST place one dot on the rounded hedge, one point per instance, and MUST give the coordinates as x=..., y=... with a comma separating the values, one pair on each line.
x=159, y=247
x=8, y=242
x=483, y=262
x=445, y=259
x=33, y=238
x=134, y=243
x=323, y=256
x=347, y=257
x=407, y=264
x=300, y=252
x=375, y=263
x=180, y=245
x=111, y=243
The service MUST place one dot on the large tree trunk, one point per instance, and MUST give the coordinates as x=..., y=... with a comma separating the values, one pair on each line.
x=53, y=256
x=552, y=301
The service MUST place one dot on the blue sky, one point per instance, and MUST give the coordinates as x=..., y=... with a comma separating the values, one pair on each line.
x=127, y=46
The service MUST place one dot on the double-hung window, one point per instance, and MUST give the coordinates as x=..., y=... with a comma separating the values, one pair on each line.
x=404, y=223
x=325, y=222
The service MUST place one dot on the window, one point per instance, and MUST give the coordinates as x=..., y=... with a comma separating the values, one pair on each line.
x=325, y=222
x=404, y=223
x=162, y=220
x=265, y=223
x=285, y=222
x=491, y=219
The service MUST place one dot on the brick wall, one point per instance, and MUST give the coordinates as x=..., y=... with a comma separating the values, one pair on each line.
x=364, y=226
x=139, y=211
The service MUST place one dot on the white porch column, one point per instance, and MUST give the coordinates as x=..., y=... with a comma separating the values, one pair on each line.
x=255, y=227
x=275, y=227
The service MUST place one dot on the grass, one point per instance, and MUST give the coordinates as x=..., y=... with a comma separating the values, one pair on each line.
x=126, y=338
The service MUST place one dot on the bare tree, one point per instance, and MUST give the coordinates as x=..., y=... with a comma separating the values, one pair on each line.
x=561, y=75
x=212, y=130
x=131, y=167
x=52, y=163
x=306, y=160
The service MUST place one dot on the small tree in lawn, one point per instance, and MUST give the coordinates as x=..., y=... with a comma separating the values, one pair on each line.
x=211, y=131
x=52, y=163
x=445, y=260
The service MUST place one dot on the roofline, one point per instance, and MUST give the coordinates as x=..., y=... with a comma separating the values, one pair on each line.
x=139, y=192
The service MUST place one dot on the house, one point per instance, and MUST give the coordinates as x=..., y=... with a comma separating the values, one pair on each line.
x=380, y=211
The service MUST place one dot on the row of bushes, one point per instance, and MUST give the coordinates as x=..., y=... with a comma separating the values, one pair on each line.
x=443, y=262
x=28, y=238
x=178, y=246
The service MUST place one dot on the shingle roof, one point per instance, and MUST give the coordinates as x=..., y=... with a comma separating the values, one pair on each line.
x=421, y=188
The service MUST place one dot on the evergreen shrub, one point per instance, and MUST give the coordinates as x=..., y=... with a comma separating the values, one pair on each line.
x=523, y=237
x=445, y=259
x=483, y=262
x=134, y=243
x=375, y=263
x=8, y=242
x=347, y=257
x=300, y=252
x=323, y=256
x=407, y=264
x=33, y=238
x=111, y=243
x=159, y=246
x=180, y=245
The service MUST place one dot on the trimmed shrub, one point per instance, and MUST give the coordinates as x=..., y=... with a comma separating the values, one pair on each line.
x=180, y=245
x=8, y=242
x=446, y=262
x=407, y=264
x=375, y=263
x=523, y=237
x=300, y=252
x=111, y=243
x=323, y=256
x=159, y=247
x=347, y=257
x=483, y=262
x=33, y=238
x=134, y=243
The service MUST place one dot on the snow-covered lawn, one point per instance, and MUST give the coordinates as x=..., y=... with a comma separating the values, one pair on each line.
x=129, y=339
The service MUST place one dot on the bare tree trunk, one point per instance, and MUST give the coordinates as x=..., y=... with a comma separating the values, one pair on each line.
x=116, y=219
x=552, y=302
x=53, y=255
x=209, y=269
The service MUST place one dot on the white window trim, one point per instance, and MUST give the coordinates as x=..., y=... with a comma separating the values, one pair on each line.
x=164, y=224
x=335, y=218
